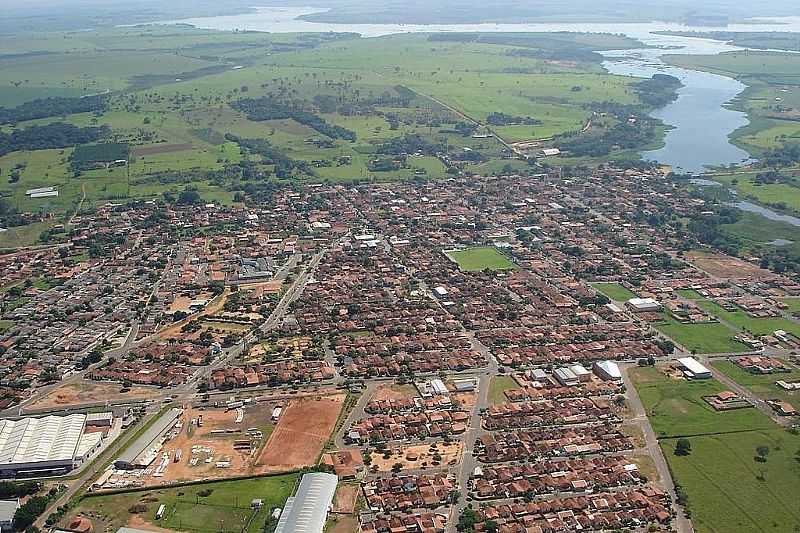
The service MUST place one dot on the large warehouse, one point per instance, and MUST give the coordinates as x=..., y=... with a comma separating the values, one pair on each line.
x=51, y=445
x=142, y=452
x=307, y=511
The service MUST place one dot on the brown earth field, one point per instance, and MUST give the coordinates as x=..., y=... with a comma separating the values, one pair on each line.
x=343, y=524
x=723, y=266
x=417, y=456
x=393, y=392
x=303, y=429
x=90, y=391
x=345, y=500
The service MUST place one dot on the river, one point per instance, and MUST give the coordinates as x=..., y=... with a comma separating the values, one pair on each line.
x=699, y=120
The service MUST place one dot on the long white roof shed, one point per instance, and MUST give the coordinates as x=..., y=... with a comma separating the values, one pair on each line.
x=307, y=511
x=695, y=368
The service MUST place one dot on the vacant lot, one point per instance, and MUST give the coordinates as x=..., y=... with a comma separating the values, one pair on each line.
x=498, y=387
x=483, y=258
x=417, y=456
x=702, y=338
x=209, y=507
x=730, y=492
x=302, y=431
x=615, y=291
x=724, y=266
x=88, y=392
x=676, y=407
x=762, y=386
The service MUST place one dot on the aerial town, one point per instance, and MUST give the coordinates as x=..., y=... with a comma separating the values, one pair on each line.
x=439, y=356
x=400, y=266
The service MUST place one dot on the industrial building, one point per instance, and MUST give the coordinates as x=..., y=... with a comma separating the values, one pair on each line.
x=608, y=370
x=142, y=452
x=50, y=445
x=692, y=368
x=307, y=511
x=643, y=305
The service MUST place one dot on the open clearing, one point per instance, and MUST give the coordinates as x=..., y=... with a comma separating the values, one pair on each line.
x=482, y=258
x=302, y=431
x=209, y=507
x=498, y=387
x=89, y=392
x=417, y=456
x=724, y=266
x=676, y=407
x=730, y=492
x=711, y=337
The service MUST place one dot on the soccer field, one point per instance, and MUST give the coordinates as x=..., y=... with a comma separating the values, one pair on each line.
x=477, y=259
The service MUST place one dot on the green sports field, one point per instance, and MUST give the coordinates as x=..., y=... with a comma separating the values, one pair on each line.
x=219, y=507
x=615, y=291
x=482, y=258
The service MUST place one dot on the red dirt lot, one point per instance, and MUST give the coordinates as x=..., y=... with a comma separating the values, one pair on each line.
x=724, y=266
x=303, y=429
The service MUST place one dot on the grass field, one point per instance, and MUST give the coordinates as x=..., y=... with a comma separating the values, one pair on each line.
x=615, y=291
x=498, y=386
x=793, y=303
x=762, y=386
x=701, y=338
x=676, y=407
x=730, y=492
x=192, y=508
x=741, y=320
x=482, y=258
x=774, y=193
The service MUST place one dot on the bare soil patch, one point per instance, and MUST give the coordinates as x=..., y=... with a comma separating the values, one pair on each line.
x=418, y=456
x=345, y=500
x=90, y=391
x=394, y=392
x=303, y=429
x=723, y=266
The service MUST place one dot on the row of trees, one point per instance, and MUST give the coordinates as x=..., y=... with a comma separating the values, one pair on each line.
x=52, y=107
x=267, y=108
x=49, y=136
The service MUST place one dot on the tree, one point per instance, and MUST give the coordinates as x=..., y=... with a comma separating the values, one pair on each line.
x=761, y=454
x=683, y=447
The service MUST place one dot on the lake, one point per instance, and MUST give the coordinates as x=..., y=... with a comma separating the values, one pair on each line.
x=700, y=123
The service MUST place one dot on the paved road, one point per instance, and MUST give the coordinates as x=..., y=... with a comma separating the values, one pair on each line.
x=682, y=523
x=475, y=431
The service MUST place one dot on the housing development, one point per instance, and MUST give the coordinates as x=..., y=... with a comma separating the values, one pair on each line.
x=458, y=354
x=263, y=279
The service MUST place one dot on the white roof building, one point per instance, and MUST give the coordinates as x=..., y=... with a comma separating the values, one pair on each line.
x=644, y=304
x=307, y=511
x=608, y=370
x=693, y=368
x=47, y=443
